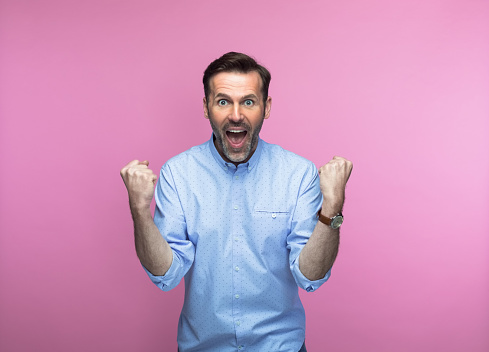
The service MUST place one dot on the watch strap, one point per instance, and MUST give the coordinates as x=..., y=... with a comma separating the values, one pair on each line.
x=328, y=221
x=324, y=219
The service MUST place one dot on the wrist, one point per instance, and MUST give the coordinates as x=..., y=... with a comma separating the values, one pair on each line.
x=140, y=210
x=331, y=209
x=334, y=221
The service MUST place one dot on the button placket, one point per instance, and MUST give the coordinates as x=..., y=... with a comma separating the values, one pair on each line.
x=235, y=235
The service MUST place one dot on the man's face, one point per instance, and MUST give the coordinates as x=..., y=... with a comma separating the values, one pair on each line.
x=236, y=111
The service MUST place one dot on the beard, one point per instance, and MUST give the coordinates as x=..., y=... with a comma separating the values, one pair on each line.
x=241, y=154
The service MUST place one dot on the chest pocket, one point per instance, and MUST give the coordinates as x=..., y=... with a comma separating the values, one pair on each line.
x=271, y=227
x=272, y=219
x=272, y=214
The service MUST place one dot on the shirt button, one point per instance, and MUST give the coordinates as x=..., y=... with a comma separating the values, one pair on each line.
x=236, y=296
x=236, y=177
x=240, y=347
x=236, y=268
x=274, y=215
x=236, y=239
x=235, y=207
x=238, y=323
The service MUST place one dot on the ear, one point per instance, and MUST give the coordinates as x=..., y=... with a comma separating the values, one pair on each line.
x=268, y=107
x=206, y=111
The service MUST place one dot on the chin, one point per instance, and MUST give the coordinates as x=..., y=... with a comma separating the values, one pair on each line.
x=237, y=157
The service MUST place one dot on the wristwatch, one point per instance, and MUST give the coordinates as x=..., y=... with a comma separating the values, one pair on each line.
x=334, y=222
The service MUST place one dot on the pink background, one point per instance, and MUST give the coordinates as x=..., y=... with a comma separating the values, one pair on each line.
x=399, y=87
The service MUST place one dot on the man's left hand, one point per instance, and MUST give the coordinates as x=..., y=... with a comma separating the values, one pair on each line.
x=333, y=177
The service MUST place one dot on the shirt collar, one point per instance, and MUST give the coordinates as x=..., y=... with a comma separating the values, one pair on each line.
x=250, y=164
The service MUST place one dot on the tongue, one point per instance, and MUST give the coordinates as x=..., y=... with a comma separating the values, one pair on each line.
x=236, y=138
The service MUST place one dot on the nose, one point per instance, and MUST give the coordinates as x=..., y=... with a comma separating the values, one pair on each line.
x=235, y=115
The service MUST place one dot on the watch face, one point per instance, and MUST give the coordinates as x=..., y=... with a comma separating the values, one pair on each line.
x=337, y=221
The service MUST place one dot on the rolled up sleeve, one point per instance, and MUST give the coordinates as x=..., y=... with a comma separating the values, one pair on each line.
x=170, y=220
x=304, y=221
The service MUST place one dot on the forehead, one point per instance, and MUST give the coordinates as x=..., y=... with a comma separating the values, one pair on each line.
x=234, y=83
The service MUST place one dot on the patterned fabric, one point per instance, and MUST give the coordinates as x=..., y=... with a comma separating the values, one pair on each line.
x=236, y=234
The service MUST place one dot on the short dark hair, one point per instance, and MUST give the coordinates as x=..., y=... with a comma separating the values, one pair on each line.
x=236, y=62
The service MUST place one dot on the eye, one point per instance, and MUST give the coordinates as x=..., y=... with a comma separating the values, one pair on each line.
x=248, y=102
x=222, y=102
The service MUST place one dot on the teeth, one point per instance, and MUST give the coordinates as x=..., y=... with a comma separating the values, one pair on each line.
x=232, y=131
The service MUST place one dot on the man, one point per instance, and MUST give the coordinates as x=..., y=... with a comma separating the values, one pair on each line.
x=238, y=218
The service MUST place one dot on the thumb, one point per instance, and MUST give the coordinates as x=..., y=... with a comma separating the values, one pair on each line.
x=145, y=162
x=132, y=163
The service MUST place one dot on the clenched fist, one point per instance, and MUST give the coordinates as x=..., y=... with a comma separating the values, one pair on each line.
x=140, y=182
x=333, y=177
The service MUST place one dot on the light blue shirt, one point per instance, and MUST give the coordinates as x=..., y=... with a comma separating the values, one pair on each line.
x=236, y=235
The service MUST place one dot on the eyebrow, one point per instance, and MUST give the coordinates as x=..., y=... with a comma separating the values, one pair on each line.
x=222, y=95
x=249, y=96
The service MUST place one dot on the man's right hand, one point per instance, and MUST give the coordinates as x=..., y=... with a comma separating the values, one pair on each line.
x=152, y=249
x=140, y=182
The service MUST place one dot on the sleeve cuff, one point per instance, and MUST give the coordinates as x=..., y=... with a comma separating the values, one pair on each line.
x=306, y=284
x=166, y=282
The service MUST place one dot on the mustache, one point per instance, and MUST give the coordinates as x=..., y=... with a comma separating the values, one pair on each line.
x=242, y=125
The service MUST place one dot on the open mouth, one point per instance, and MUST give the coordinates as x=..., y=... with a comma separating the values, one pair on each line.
x=236, y=138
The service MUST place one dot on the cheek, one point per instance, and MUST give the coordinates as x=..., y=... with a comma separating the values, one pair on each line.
x=218, y=121
x=217, y=115
x=256, y=119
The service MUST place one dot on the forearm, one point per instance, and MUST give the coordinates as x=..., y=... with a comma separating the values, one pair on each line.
x=319, y=253
x=152, y=249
